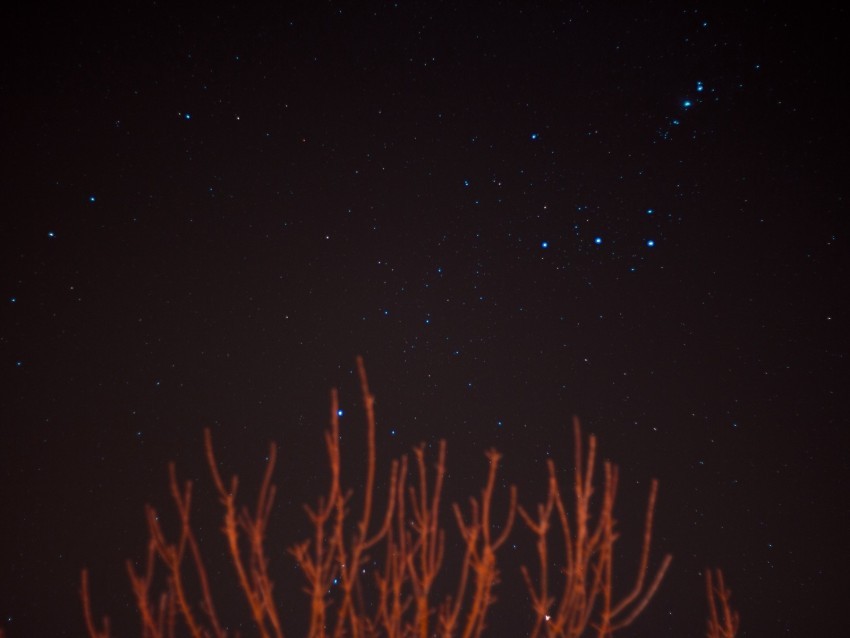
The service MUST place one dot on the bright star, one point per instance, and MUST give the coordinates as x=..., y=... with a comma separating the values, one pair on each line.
x=597, y=241
x=544, y=244
x=650, y=243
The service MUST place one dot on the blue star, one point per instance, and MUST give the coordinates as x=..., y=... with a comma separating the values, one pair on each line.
x=534, y=136
x=544, y=244
x=650, y=242
x=687, y=104
x=597, y=240
x=649, y=211
x=339, y=412
x=51, y=234
x=91, y=198
x=699, y=87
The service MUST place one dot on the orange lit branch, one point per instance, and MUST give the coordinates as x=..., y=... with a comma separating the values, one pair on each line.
x=319, y=565
x=85, y=597
x=725, y=623
x=253, y=576
x=381, y=573
x=425, y=556
x=586, y=598
x=480, y=556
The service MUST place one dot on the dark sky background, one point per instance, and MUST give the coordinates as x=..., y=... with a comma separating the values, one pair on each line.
x=633, y=214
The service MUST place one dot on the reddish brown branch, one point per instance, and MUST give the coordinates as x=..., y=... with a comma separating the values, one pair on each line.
x=396, y=600
x=85, y=598
x=587, y=591
x=722, y=623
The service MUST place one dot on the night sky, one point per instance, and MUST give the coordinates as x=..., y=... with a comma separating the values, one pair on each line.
x=515, y=215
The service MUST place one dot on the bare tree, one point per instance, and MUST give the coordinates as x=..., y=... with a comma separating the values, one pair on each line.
x=403, y=546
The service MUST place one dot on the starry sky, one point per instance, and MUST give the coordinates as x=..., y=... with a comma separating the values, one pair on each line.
x=633, y=214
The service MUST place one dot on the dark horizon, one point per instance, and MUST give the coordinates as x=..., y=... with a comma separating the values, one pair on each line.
x=633, y=215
